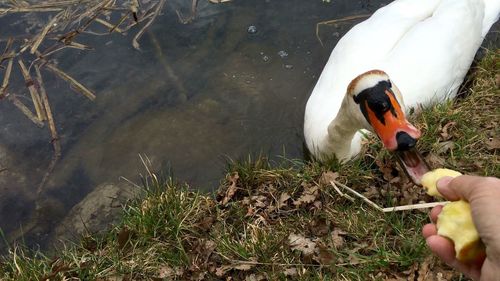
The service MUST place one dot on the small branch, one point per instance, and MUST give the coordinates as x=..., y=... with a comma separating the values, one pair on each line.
x=368, y=201
x=349, y=18
x=6, y=78
x=135, y=41
x=53, y=132
x=34, y=93
x=341, y=193
x=25, y=110
x=75, y=84
x=414, y=207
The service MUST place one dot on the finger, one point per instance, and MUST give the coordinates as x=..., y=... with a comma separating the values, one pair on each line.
x=429, y=230
x=442, y=247
x=466, y=186
x=435, y=213
x=443, y=186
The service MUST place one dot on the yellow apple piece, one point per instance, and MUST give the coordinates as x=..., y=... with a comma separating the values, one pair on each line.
x=455, y=220
x=430, y=179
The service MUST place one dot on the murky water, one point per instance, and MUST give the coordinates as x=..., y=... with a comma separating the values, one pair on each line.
x=195, y=95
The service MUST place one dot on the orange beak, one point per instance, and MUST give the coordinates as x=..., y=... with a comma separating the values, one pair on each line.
x=391, y=123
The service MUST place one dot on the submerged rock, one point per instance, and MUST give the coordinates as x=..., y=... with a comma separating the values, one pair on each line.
x=97, y=211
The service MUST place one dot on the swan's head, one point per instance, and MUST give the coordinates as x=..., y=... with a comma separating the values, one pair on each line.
x=380, y=107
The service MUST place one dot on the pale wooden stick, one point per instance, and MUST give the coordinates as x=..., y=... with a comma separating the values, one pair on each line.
x=414, y=206
x=341, y=193
x=368, y=201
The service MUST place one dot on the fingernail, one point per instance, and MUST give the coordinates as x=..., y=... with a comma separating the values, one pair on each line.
x=442, y=182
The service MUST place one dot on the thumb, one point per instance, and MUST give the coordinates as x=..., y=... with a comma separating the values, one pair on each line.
x=463, y=187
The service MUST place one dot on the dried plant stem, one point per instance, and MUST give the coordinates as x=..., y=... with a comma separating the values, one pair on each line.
x=414, y=206
x=349, y=18
x=368, y=201
x=109, y=25
x=75, y=84
x=45, y=30
x=341, y=193
x=135, y=41
x=388, y=209
x=6, y=78
x=53, y=131
x=40, y=112
x=25, y=110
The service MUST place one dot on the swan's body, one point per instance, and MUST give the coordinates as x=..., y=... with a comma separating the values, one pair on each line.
x=426, y=48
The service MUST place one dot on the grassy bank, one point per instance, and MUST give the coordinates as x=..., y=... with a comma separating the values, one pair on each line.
x=288, y=220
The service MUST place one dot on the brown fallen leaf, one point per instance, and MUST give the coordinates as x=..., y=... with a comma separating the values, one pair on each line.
x=328, y=177
x=282, y=202
x=309, y=195
x=241, y=266
x=445, y=134
x=305, y=245
x=231, y=191
x=290, y=272
x=338, y=240
x=493, y=144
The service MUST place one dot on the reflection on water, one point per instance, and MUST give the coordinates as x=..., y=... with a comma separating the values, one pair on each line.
x=194, y=95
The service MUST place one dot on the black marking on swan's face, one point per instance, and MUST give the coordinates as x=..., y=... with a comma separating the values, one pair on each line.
x=377, y=99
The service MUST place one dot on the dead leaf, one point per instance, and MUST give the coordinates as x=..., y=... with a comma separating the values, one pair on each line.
x=445, y=130
x=291, y=271
x=255, y=277
x=493, y=144
x=327, y=177
x=445, y=146
x=337, y=239
x=282, y=202
x=302, y=244
x=123, y=237
x=241, y=266
x=325, y=256
x=319, y=227
x=232, y=188
x=434, y=160
x=308, y=196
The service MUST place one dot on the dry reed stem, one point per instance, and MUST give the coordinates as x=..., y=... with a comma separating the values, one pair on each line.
x=139, y=34
x=53, y=131
x=74, y=84
x=388, y=209
x=6, y=78
x=111, y=27
x=45, y=31
x=25, y=110
x=349, y=18
x=35, y=97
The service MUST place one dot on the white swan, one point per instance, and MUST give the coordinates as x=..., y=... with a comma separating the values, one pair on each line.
x=418, y=51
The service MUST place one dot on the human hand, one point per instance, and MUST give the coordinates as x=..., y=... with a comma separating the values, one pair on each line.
x=483, y=194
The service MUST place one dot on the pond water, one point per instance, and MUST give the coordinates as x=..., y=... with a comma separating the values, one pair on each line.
x=195, y=95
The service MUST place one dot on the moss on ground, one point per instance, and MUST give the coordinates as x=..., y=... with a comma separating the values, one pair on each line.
x=281, y=221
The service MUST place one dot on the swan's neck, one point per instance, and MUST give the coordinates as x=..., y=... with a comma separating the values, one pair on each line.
x=341, y=132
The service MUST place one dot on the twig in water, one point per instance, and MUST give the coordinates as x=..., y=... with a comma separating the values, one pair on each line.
x=135, y=41
x=53, y=131
x=25, y=110
x=75, y=84
x=337, y=21
x=40, y=112
x=6, y=78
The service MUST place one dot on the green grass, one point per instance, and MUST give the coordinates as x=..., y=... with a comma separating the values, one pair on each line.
x=284, y=220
